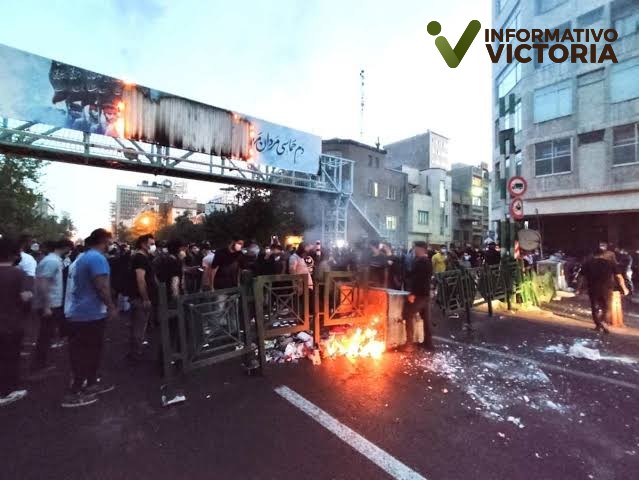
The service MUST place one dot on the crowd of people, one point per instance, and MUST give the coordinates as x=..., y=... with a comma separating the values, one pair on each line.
x=74, y=291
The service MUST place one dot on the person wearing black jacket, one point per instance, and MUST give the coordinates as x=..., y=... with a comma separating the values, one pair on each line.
x=419, y=298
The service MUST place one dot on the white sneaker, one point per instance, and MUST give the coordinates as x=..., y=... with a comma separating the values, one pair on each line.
x=12, y=397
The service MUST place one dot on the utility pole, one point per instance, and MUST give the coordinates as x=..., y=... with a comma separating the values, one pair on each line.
x=362, y=101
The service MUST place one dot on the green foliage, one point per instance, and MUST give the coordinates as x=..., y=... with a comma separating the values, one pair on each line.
x=259, y=215
x=18, y=200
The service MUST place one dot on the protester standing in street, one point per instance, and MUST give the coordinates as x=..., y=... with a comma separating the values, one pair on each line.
x=90, y=307
x=227, y=264
x=26, y=262
x=193, y=269
x=49, y=301
x=600, y=273
x=207, y=267
x=492, y=256
x=439, y=261
x=297, y=264
x=143, y=294
x=419, y=297
x=14, y=293
x=169, y=269
x=376, y=263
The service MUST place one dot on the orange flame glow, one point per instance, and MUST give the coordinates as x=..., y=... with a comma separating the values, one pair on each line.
x=119, y=123
x=356, y=342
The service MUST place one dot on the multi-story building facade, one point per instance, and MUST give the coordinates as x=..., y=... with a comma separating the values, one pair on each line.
x=424, y=151
x=43, y=207
x=161, y=198
x=378, y=203
x=572, y=130
x=424, y=159
x=470, y=203
x=428, y=206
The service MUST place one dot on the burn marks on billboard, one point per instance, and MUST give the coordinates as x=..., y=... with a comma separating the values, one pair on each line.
x=40, y=90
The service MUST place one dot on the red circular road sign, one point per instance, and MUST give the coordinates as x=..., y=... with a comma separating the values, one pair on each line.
x=517, y=209
x=517, y=186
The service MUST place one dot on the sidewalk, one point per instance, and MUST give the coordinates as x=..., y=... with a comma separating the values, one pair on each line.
x=568, y=310
x=578, y=308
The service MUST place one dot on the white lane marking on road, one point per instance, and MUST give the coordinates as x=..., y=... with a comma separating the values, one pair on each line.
x=379, y=457
x=547, y=366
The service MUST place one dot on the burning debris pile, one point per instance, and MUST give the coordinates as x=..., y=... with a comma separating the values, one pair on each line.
x=354, y=342
x=341, y=341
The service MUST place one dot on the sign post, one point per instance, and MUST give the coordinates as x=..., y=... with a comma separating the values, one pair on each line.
x=517, y=187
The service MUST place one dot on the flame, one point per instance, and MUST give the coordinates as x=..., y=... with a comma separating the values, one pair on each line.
x=119, y=123
x=356, y=342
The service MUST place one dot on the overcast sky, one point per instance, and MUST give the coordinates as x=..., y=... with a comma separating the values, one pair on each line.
x=291, y=62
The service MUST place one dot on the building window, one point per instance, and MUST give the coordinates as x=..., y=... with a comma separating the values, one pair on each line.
x=625, y=18
x=476, y=201
x=373, y=189
x=370, y=160
x=623, y=80
x=544, y=6
x=590, y=18
x=508, y=78
x=513, y=120
x=445, y=221
x=376, y=162
x=553, y=101
x=517, y=117
x=391, y=223
x=392, y=193
x=553, y=157
x=422, y=217
x=625, y=144
x=546, y=53
x=442, y=191
x=518, y=162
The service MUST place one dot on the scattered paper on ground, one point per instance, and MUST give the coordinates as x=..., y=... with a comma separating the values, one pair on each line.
x=497, y=387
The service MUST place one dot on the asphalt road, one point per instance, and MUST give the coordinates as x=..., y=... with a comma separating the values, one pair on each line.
x=506, y=402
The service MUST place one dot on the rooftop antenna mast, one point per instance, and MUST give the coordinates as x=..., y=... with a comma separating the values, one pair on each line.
x=361, y=116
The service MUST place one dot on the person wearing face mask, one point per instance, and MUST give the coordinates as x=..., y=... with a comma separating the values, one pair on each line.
x=90, y=307
x=227, y=264
x=143, y=293
x=439, y=261
x=466, y=260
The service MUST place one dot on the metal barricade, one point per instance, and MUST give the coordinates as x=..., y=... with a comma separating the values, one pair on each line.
x=340, y=299
x=201, y=329
x=456, y=290
x=282, y=306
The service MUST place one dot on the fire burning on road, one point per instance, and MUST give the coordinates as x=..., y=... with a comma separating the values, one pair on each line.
x=355, y=342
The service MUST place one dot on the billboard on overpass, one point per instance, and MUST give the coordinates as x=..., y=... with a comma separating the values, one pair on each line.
x=37, y=89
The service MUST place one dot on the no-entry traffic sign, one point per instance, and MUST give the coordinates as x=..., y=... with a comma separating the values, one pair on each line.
x=517, y=209
x=517, y=186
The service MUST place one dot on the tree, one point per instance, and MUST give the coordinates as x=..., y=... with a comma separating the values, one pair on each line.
x=124, y=233
x=19, y=179
x=260, y=214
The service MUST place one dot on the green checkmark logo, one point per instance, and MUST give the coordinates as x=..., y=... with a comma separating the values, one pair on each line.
x=454, y=56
